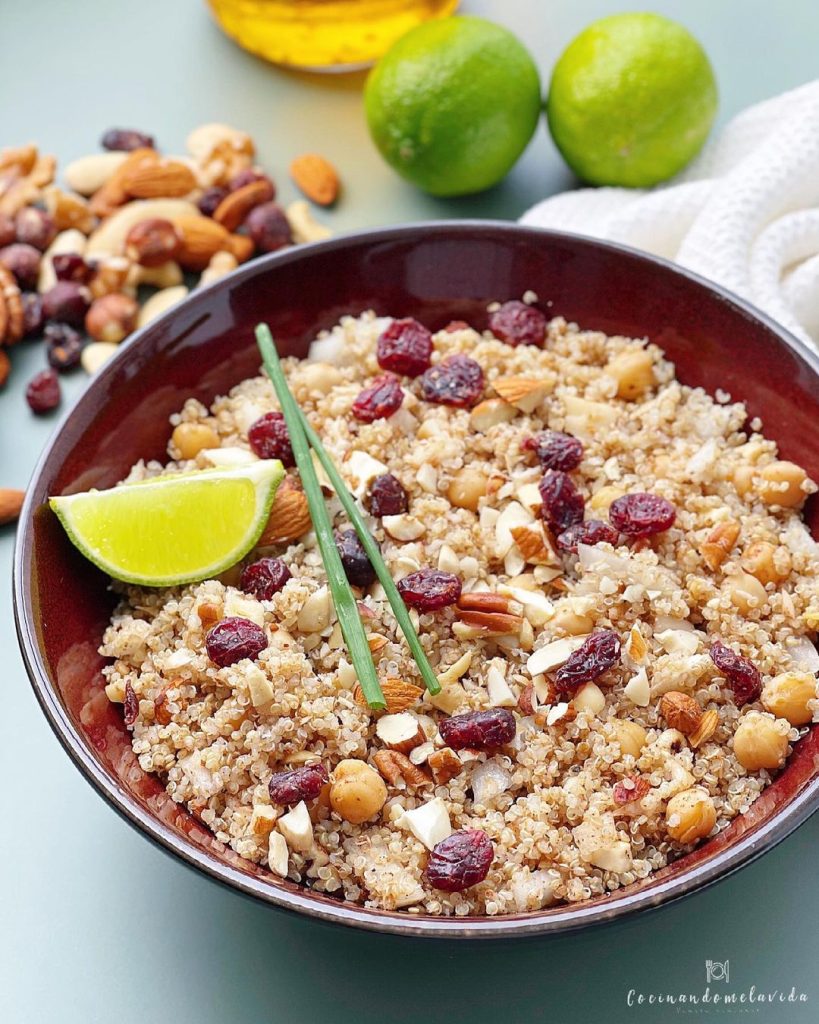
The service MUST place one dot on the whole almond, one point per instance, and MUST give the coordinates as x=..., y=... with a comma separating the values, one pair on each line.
x=289, y=517
x=113, y=193
x=158, y=179
x=241, y=247
x=316, y=178
x=11, y=502
x=236, y=205
x=681, y=711
x=398, y=695
x=202, y=238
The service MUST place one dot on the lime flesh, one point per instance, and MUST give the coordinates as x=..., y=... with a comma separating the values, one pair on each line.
x=173, y=529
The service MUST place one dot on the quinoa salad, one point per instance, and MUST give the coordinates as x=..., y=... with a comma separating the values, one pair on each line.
x=607, y=569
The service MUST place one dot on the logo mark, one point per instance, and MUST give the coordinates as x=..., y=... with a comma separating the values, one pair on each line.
x=716, y=970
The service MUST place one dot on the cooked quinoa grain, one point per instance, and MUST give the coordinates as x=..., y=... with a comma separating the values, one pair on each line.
x=595, y=789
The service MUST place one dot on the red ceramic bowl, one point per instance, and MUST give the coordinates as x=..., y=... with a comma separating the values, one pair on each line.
x=435, y=272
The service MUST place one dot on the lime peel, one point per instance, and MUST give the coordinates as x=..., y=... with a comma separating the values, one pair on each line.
x=174, y=529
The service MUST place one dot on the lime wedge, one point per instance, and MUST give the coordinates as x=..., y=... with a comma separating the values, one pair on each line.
x=173, y=529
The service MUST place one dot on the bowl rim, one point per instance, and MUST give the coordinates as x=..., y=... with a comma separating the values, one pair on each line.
x=569, y=918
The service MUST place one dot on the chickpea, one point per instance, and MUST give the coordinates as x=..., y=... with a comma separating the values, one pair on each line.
x=320, y=377
x=630, y=737
x=787, y=696
x=743, y=477
x=601, y=499
x=759, y=742
x=780, y=483
x=466, y=488
x=767, y=562
x=746, y=592
x=192, y=438
x=634, y=372
x=357, y=791
x=571, y=622
x=690, y=815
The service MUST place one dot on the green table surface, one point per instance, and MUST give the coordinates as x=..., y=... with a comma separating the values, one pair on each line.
x=98, y=925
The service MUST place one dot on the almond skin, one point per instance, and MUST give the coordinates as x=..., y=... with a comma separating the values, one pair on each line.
x=11, y=502
x=316, y=178
x=398, y=695
x=167, y=179
x=289, y=516
x=236, y=205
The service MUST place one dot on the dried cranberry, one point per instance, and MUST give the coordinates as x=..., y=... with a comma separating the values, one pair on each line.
x=357, y=566
x=599, y=652
x=429, y=589
x=288, y=788
x=563, y=504
x=481, y=730
x=64, y=346
x=67, y=303
x=269, y=439
x=458, y=381
x=126, y=139
x=23, y=261
x=269, y=227
x=404, y=347
x=130, y=706
x=248, y=176
x=555, y=450
x=461, y=860
x=593, y=531
x=70, y=266
x=740, y=673
x=210, y=199
x=518, y=324
x=387, y=496
x=640, y=515
x=381, y=399
x=32, y=313
x=264, y=578
x=43, y=392
x=35, y=227
x=233, y=639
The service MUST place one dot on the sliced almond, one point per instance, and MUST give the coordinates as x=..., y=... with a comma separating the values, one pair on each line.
x=635, y=646
x=400, y=731
x=490, y=413
x=158, y=179
x=554, y=654
x=524, y=393
x=316, y=612
x=498, y=690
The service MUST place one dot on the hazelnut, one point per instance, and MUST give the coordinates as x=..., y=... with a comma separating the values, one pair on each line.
x=111, y=317
x=247, y=177
x=32, y=314
x=66, y=302
x=7, y=231
x=760, y=742
x=357, y=791
x=23, y=261
x=269, y=227
x=152, y=242
x=690, y=815
x=681, y=711
x=35, y=227
x=210, y=199
x=787, y=696
x=70, y=266
x=467, y=488
x=781, y=483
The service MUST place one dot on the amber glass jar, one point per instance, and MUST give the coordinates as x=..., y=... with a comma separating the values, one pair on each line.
x=323, y=35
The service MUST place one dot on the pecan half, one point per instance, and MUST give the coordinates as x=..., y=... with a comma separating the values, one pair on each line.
x=444, y=765
x=483, y=602
x=395, y=767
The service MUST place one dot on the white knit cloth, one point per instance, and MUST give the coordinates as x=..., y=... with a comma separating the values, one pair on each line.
x=745, y=213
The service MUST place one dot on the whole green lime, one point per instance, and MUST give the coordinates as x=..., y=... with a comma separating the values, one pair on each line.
x=453, y=104
x=631, y=101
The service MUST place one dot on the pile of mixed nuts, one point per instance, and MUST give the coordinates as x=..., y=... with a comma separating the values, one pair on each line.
x=84, y=265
